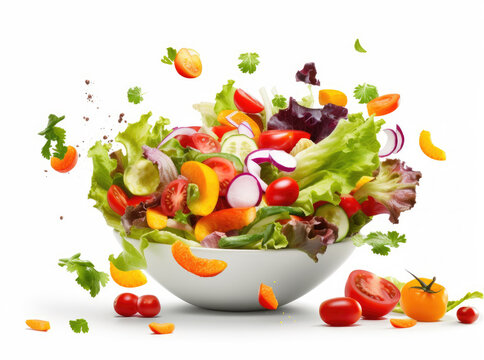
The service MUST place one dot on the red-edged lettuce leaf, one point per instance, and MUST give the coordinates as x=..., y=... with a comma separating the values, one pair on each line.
x=211, y=240
x=136, y=215
x=318, y=122
x=308, y=74
x=393, y=187
x=311, y=236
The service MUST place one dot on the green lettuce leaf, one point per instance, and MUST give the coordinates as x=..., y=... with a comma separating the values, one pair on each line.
x=335, y=164
x=134, y=137
x=166, y=237
x=158, y=132
x=399, y=285
x=470, y=295
x=224, y=100
x=130, y=258
x=270, y=238
x=209, y=116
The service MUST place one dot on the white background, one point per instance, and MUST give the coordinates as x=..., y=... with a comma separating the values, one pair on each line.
x=430, y=52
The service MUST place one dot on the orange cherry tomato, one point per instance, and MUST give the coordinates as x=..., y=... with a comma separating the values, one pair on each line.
x=383, y=105
x=187, y=63
x=67, y=163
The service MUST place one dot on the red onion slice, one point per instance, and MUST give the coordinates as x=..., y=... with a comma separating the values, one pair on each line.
x=177, y=131
x=229, y=119
x=390, y=145
x=245, y=129
x=254, y=169
x=258, y=156
x=400, y=138
x=282, y=160
x=244, y=191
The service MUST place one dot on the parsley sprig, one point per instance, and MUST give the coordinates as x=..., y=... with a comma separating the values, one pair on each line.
x=134, y=95
x=79, y=325
x=249, y=62
x=365, y=93
x=87, y=276
x=56, y=134
x=170, y=57
x=380, y=242
x=279, y=101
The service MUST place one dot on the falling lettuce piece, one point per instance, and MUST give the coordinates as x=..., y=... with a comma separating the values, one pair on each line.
x=393, y=187
x=470, y=295
x=318, y=122
x=380, y=243
x=209, y=116
x=358, y=46
x=130, y=258
x=308, y=74
x=224, y=100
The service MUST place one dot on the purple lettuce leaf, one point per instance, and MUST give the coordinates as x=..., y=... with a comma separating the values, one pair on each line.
x=136, y=215
x=308, y=74
x=166, y=167
x=211, y=240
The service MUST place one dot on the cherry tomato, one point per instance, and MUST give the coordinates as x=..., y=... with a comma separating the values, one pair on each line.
x=376, y=296
x=283, y=191
x=185, y=140
x=187, y=63
x=117, y=199
x=222, y=129
x=383, y=105
x=349, y=205
x=371, y=207
x=246, y=103
x=205, y=143
x=292, y=217
x=467, y=314
x=174, y=197
x=126, y=304
x=342, y=311
x=225, y=171
x=67, y=163
x=281, y=139
x=148, y=305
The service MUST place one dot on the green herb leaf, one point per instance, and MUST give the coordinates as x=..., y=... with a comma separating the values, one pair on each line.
x=193, y=194
x=474, y=295
x=308, y=100
x=87, y=276
x=53, y=133
x=170, y=57
x=130, y=258
x=358, y=46
x=79, y=325
x=279, y=101
x=135, y=95
x=365, y=93
x=379, y=241
x=182, y=217
x=249, y=62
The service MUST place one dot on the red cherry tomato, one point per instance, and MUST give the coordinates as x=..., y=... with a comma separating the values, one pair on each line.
x=467, y=314
x=225, y=171
x=117, y=199
x=126, y=304
x=371, y=207
x=222, y=129
x=205, y=143
x=342, y=311
x=246, y=103
x=185, y=140
x=135, y=200
x=174, y=197
x=283, y=191
x=376, y=296
x=349, y=205
x=187, y=63
x=281, y=139
x=292, y=217
x=148, y=305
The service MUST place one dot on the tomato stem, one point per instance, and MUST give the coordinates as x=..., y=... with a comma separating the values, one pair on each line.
x=423, y=286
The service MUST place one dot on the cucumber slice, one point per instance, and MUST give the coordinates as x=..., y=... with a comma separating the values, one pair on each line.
x=239, y=145
x=335, y=215
x=228, y=134
x=141, y=178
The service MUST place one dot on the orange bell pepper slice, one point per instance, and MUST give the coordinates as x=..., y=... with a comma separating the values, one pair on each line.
x=267, y=299
x=238, y=117
x=196, y=265
x=383, y=105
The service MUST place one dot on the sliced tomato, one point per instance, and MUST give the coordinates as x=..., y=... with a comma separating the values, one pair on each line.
x=376, y=295
x=117, y=199
x=246, y=103
x=349, y=205
x=205, y=143
x=371, y=207
x=174, y=197
x=135, y=200
x=185, y=140
x=222, y=129
x=187, y=63
x=383, y=105
x=281, y=139
x=225, y=171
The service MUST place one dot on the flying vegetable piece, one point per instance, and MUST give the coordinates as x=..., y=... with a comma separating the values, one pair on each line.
x=267, y=299
x=196, y=265
x=249, y=62
x=53, y=133
x=308, y=74
x=429, y=148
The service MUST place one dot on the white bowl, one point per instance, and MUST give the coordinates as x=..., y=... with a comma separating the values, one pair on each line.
x=290, y=273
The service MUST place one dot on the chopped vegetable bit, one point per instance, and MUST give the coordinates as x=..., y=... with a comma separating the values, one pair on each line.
x=87, y=276
x=54, y=133
x=249, y=62
x=129, y=279
x=379, y=241
x=470, y=295
x=365, y=93
x=429, y=148
x=166, y=328
x=403, y=323
x=79, y=325
x=135, y=95
x=279, y=101
x=170, y=57
x=196, y=265
x=358, y=46
x=38, y=325
x=308, y=74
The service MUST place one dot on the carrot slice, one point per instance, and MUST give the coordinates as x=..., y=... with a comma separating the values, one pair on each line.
x=429, y=148
x=267, y=299
x=196, y=265
x=403, y=323
x=129, y=279
x=166, y=328
x=38, y=325
x=335, y=97
x=67, y=163
x=383, y=105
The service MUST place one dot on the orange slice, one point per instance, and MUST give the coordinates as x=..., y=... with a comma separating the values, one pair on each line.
x=129, y=279
x=267, y=299
x=39, y=325
x=403, y=323
x=166, y=328
x=430, y=149
x=198, y=266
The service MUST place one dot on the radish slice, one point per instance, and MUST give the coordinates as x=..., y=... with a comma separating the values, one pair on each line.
x=390, y=145
x=400, y=138
x=245, y=129
x=177, y=131
x=258, y=156
x=254, y=169
x=283, y=161
x=244, y=191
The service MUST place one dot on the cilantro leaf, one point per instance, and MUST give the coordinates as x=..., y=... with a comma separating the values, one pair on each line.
x=170, y=57
x=474, y=295
x=182, y=217
x=135, y=95
x=249, y=62
x=56, y=134
x=87, y=276
x=379, y=241
x=358, y=46
x=365, y=93
x=279, y=101
x=79, y=325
